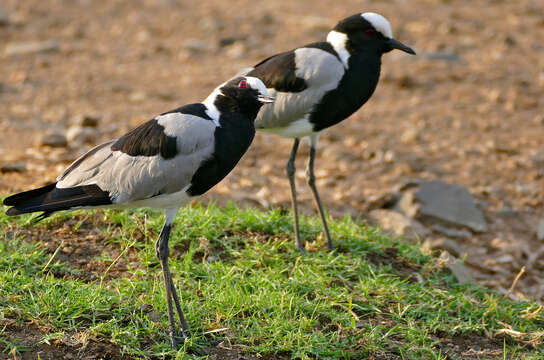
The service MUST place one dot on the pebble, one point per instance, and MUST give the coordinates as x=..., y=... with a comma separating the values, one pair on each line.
x=86, y=120
x=443, y=56
x=32, y=47
x=540, y=230
x=17, y=167
x=53, y=140
x=77, y=135
x=443, y=244
x=457, y=268
x=4, y=17
x=399, y=224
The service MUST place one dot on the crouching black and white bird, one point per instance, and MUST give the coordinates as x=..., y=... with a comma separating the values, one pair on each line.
x=321, y=84
x=161, y=164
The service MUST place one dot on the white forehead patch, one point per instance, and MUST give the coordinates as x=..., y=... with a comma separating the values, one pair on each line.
x=257, y=84
x=380, y=23
x=338, y=42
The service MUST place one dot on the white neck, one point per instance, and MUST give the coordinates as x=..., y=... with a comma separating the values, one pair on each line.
x=211, y=109
x=338, y=41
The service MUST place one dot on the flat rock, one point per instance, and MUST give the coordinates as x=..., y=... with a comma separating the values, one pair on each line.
x=540, y=230
x=4, y=17
x=13, y=167
x=54, y=140
x=86, y=120
x=457, y=268
x=443, y=244
x=399, y=224
x=31, y=47
x=77, y=135
x=444, y=203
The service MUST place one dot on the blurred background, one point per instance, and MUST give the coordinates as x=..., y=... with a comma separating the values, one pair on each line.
x=468, y=110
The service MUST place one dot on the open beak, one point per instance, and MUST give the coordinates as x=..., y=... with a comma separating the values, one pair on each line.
x=395, y=44
x=266, y=99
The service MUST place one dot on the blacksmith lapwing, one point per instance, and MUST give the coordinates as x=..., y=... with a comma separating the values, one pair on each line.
x=321, y=84
x=161, y=164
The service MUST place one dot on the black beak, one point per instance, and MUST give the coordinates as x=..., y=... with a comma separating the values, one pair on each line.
x=395, y=44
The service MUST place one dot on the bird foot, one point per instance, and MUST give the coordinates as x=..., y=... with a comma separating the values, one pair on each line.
x=177, y=341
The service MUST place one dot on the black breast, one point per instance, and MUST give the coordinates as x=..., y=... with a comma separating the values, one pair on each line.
x=232, y=139
x=354, y=89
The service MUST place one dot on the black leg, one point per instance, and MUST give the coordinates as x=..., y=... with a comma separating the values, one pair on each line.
x=311, y=181
x=291, y=175
x=162, y=250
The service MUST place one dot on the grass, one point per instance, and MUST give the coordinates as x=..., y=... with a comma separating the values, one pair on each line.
x=243, y=282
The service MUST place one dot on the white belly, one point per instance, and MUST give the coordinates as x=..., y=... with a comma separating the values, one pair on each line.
x=297, y=129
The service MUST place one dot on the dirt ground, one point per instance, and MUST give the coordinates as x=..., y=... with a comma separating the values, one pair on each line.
x=467, y=110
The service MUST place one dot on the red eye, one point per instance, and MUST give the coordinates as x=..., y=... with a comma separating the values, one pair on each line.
x=370, y=32
x=242, y=84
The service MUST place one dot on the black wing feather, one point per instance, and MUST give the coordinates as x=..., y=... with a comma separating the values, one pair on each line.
x=49, y=199
x=278, y=72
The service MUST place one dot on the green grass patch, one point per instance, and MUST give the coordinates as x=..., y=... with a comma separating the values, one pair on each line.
x=243, y=283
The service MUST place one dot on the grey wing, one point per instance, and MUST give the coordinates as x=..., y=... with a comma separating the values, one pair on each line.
x=321, y=72
x=130, y=178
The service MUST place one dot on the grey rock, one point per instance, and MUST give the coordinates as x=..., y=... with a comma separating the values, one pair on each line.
x=53, y=140
x=399, y=224
x=454, y=233
x=86, y=120
x=32, y=47
x=444, y=203
x=443, y=244
x=4, y=17
x=196, y=46
x=13, y=167
x=540, y=230
x=443, y=56
x=458, y=269
x=78, y=135
x=211, y=24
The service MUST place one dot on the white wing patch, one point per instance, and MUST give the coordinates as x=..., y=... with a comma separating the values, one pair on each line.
x=380, y=23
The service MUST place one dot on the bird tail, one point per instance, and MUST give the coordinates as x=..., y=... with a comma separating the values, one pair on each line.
x=49, y=199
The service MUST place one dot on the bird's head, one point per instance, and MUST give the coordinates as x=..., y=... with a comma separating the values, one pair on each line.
x=366, y=31
x=242, y=94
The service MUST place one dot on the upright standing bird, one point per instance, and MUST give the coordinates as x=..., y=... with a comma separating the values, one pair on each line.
x=319, y=85
x=161, y=164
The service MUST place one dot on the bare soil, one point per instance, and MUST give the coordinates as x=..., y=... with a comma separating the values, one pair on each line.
x=467, y=110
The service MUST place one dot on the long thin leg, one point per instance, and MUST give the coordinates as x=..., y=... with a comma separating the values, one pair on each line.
x=311, y=181
x=162, y=250
x=290, y=168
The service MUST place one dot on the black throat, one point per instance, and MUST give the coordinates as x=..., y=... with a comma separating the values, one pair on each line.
x=353, y=91
x=232, y=139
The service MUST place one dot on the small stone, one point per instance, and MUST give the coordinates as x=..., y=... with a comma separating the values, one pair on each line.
x=443, y=56
x=399, y=224
x=154, y=316
x=410, y=135
x=54, y=140
x=457, y=268
x=17, y=167
x=137, y=96
x=77, y=135
x=540, y=230
x=22, y=48
x=211, y=24
x=196, y=46
x=454, y=233
x=86, y=120
x=443, y=244
x=4, y=17
x=237, y=51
